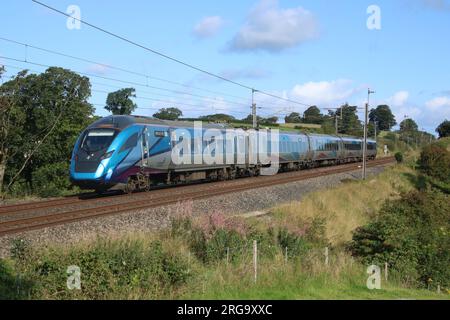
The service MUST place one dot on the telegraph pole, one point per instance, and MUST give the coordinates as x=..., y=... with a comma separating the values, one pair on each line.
x=336, y=120
x=255, y=122
x=375, y=126
x=369, y=92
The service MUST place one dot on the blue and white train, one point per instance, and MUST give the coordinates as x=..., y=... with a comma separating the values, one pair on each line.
x=134, y=153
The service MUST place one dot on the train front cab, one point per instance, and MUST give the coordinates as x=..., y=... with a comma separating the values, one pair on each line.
x=90, y=157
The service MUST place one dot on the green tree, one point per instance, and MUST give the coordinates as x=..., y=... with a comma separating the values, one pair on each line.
x=411, y=235
x=56, y=110
x=120, y=102
x=435, y=162
x=12, y=119
x=270, y=120
x=218, y=118
x=260, y=120
x=408, y=126
x=294, y=117
x=168, y=114
x=313, y=116
x=348, y=121
x=249, y=119
x=444, y=129
x=384, y=118
x=409, y=132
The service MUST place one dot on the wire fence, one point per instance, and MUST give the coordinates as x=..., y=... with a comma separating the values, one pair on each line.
x=256, y=255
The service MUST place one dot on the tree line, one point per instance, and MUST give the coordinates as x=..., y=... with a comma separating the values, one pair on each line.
x=42, y=115
x=345, y=118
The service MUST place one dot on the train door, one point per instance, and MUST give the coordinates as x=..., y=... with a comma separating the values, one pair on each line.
x=341, y=148
x=310, y=147
x=159, y=148
x=303, y=143
x=145, y=148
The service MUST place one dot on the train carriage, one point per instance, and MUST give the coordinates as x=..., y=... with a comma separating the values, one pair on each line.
x=135, y=153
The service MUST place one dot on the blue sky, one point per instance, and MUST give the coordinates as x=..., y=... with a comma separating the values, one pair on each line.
x=314, y=52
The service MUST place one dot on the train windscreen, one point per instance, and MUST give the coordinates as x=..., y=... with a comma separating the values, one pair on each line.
x=97, y=140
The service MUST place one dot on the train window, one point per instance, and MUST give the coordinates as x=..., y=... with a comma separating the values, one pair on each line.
x=353, y=146
x=161, y=134
x=322, y=145
x=303, y=145
x=130, y=143
x=97, y=140
x=328, y=146
x=335, y=146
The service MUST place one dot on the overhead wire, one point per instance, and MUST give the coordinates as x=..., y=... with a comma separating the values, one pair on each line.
x=110, y=66
x=166, y=56
x=176, y=102
x=128, y=82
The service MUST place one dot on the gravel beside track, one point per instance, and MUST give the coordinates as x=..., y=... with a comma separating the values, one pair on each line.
x=150, y=220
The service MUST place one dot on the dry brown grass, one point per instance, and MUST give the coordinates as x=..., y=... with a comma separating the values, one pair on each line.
x=348, y=206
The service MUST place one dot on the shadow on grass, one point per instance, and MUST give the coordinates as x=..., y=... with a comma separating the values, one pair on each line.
x=12, y=287
x=420, y=182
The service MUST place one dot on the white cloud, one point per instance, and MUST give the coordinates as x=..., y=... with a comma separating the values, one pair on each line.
x=99, y=69
x=400, y=106
x=439, y=5
x=208, y=27
x=429, y=114
x=437, y=110
x=270, y=28
x=324, y=93
x=437, y=103
x=399, y=99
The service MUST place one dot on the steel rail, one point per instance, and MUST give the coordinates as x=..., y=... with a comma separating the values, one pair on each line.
x=40, y=222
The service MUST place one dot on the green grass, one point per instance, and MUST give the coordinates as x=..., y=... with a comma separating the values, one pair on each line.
x=136, y=267
x=288, y=127
x=306, y=288
x=163, y=265
x=444, y=142
x=292, y=283
x=349, y=205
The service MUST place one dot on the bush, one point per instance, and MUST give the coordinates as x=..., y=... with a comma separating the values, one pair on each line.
x=51, y=180
x=295, y=244
x=210, y=248
x=412, y=235
x=20, y=250
x=435, y=162
x=211, y=237
x=399, y=157
x=216, y=247
x=8, y=283
x=109, y=269
x=444, y=129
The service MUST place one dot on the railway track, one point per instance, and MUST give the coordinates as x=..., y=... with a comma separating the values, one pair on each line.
x=166, y=197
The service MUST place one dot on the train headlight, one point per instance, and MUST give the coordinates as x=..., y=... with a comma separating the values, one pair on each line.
x=100, y=170
x=109, y=174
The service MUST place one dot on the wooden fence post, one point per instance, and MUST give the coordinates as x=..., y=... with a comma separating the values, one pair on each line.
x=228, y=256
x=286, y=255
x=189, y=261
x=386, y=271
x=255, y=259
x=326, y=256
